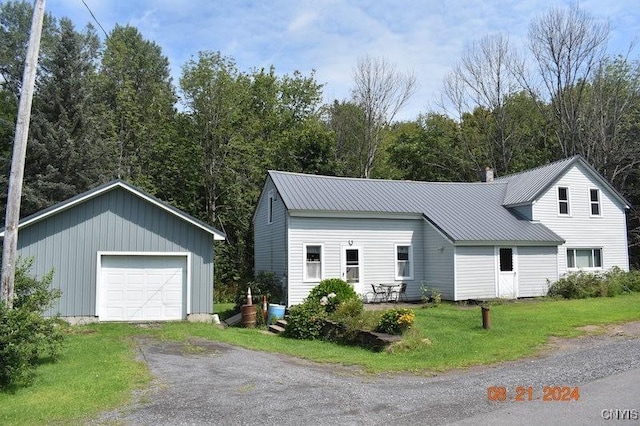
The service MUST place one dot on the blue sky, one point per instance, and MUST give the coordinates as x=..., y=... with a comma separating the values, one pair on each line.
x=423, y=37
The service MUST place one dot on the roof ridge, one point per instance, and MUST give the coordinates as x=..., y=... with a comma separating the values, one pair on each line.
x=566, y=159
x=358, y=179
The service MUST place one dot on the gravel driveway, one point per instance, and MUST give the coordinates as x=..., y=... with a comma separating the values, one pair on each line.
x=206, y=382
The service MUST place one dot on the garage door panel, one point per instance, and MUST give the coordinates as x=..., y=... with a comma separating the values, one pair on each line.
x=139, y=288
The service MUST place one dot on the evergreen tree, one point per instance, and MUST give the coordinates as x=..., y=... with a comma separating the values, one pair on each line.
x=65, y=156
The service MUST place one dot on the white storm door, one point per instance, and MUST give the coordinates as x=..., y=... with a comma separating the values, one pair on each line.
x=352, y=267
x=507, y=273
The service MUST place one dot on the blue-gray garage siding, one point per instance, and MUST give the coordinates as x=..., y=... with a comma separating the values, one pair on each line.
x=114, y=221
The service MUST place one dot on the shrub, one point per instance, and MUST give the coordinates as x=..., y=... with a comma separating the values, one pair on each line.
x=264, y=284
x=332, y=292
x=26, y=336
x=576, y=285
x=430, y=295
x=623, y=282
x=396, y=321
x=305, y=321
x=348, y=309
x=225, y=293
x=579, y=285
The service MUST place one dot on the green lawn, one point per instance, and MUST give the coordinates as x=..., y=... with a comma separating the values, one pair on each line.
x=97, y=370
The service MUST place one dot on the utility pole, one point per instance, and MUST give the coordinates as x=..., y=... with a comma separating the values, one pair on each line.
x=10, y=244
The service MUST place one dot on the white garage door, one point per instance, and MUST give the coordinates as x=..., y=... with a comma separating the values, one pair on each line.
x=142, y=288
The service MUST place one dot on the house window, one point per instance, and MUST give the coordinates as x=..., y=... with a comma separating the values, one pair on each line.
x=594, y=197
x=404, y=262
x=584, y=258
x=563, y=200
x=313, y=262
x=270, y=211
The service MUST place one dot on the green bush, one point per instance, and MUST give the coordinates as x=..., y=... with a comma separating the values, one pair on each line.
x=396, y=321
x=305, y=321
x=26, y=336
x=264, y=284
x=348, y=309
x=625, y=282
x=331, y=292
x=355, y=319
x=431, y=295
x=225, y=293
x=580, y=285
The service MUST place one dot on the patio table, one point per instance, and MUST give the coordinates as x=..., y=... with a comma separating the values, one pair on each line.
x=389, y=288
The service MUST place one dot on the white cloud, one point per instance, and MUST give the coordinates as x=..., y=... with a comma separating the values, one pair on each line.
x=424, y=37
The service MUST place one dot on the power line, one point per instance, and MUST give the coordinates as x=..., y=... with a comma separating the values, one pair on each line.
x=94, y=18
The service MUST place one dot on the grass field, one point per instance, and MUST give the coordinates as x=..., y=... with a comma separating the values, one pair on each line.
x=98, y=368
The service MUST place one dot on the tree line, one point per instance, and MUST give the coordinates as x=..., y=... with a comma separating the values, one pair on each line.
x=109, y=109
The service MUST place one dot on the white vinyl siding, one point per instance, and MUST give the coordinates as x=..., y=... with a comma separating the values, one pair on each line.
x=376, y=239
x=475, y=272
x=536, y=265
x=524, y=211
x=270, y=238
x=439, y=262
x=582, y=230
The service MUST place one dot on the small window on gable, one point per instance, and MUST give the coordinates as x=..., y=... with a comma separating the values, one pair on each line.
x=270, y=208
x=313, y=262
x=594, y=197
x=584, y=258
x=404, y=262
x=563, y=200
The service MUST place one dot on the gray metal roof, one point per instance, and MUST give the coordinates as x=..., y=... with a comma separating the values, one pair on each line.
x=465, y=212
x=92, y=193
x=527, y=186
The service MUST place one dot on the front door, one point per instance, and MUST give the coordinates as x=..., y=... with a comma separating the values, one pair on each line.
x=352, y=267
x=507, y=273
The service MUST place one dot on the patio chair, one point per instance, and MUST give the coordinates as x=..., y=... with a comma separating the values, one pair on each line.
x=378, y=294
x=400, y=294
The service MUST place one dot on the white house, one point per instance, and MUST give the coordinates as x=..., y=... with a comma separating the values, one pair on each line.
x=507, y=237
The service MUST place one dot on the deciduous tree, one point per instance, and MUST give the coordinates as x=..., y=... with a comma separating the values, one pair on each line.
x=380, y=91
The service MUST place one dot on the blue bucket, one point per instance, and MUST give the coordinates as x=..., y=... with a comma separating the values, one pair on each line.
x=275, y=311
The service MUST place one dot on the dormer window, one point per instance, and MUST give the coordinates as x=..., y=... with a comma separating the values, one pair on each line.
x=594, y=197
x=563, y=201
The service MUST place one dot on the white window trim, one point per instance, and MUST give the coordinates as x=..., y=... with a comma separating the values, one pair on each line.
x=568, y=201
x=599, y=203
x=304, y=263
x=395, y=261
x=593, y=268
x=270, y=202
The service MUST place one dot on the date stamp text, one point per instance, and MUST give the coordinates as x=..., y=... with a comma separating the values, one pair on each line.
x=529, y=393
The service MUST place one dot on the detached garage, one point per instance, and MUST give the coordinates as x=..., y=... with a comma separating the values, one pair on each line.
x=119, y=254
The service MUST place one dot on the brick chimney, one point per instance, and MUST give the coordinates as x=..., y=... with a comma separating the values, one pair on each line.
x=488, y=174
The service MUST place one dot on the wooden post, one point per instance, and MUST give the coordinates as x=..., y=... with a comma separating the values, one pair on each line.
x=19, y=153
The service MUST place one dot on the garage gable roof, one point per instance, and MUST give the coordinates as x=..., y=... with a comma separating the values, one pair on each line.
x=464, y=212
x=96, y=192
